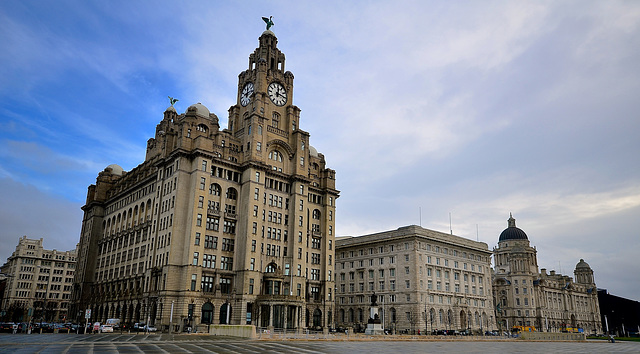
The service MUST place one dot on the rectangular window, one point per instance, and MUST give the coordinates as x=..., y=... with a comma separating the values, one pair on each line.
x=227, y=244
x=195, y=258
x=208, y=261
x=229, y=226
x=226, y=263
x=196, y=242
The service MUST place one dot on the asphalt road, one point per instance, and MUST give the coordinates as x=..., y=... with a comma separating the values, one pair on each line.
x=164, y=343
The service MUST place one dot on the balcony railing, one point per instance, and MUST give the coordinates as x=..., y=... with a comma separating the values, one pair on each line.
x=277, y=131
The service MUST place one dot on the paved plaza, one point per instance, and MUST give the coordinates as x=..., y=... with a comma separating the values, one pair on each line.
x=163, y=343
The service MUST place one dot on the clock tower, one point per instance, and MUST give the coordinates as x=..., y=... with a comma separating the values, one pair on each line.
x=228, y=226
x=265, y=116
x=291, y=213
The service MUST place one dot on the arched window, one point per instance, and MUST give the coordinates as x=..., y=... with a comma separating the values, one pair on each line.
x=271, y=268
x=201, y=128
x=207, y=313
x=316, y=214
x=214, y=189
x=275, y=155
x=232, y=194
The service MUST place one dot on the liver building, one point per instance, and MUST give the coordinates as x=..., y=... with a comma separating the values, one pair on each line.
x=548, y=302
x=216, y=226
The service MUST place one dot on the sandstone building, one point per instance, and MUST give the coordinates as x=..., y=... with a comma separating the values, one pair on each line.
x=425, y=281
x=217, y=226
x=39, y=283
x=549, y=302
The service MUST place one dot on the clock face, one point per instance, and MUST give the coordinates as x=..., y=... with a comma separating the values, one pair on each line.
x=277, y=93
x=247, y=92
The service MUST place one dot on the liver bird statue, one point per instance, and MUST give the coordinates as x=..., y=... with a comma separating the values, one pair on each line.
x=268, y=21
x=172, y=100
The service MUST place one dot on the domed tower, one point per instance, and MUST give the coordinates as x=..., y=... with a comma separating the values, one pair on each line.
x=514, y=255
x=583, y=273
x=516, y=270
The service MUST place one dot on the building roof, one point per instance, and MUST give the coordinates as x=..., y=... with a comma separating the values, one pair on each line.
x=582, y=265
x=512, y=232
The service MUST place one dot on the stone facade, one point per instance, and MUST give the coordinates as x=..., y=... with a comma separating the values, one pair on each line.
x=216, y=226
x=424, y=279
x=39, y=283
x=547, y=302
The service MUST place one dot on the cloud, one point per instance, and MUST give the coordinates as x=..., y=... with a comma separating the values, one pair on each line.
x=25, y=210
x=478, y=109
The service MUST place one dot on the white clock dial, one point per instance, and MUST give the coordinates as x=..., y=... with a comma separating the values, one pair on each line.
x=277, y=93
x=247, y=92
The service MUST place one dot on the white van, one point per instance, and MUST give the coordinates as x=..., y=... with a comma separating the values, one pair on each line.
x=113, y=322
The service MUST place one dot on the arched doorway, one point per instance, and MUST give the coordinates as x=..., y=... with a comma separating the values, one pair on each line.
x=463, y=320
x=130, y=313
x=317, y=318
x=154, y=312
x=137, y=315
x=432, y=317
x=207, y=313
x=225, y=313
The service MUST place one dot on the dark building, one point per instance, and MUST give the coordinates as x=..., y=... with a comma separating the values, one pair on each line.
x=620, y=316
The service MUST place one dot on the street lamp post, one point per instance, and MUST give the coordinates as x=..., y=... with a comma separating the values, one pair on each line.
x=171, y=317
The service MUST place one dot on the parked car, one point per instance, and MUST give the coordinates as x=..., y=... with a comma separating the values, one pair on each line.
x=6, y=327
x=141, y=327
x=149, y=329
x=61, y=328
x=106, y=329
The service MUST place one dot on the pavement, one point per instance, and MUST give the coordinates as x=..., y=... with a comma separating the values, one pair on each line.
x=199, y=343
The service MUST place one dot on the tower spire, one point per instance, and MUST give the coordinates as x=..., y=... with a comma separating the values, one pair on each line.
x=511, y=222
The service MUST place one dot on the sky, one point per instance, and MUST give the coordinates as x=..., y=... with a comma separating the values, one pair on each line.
x=448, y=115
